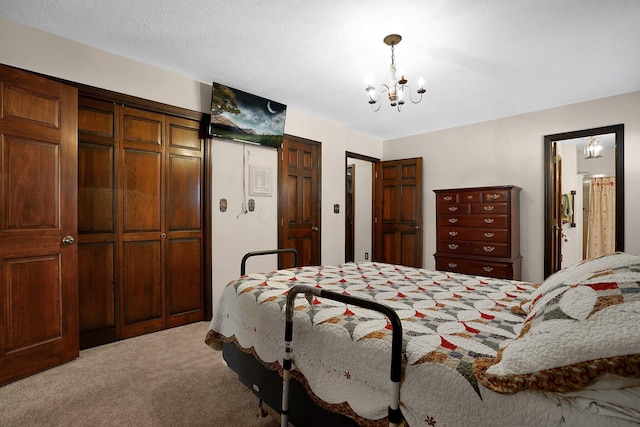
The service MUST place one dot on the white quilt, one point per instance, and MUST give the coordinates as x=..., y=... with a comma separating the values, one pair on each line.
x=449, y=320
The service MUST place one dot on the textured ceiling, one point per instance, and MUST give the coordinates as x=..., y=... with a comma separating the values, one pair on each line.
x=481, y=59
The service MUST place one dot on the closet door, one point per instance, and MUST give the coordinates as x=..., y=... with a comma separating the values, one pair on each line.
x=98, y=240
x=38, y=222
x=142, y=221
x=184, y=223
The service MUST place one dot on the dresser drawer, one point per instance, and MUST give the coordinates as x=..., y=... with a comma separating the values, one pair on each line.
x=500, y=270
x=489, y=208
x=478, y=234
x=470, y=197
x=454, y=247
x=447, y=198
x=453, y=208
x=493, y=221
x=499, y=250
x=495, y=196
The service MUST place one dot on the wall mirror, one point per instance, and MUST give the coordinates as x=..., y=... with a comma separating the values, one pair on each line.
x=584, y=195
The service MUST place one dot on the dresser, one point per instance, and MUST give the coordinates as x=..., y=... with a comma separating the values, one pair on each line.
x=478, y=231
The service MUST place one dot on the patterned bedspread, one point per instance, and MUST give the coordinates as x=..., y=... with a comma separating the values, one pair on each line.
x=343, y=351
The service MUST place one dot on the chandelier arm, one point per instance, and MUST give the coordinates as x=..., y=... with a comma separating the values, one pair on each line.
x=411, y=96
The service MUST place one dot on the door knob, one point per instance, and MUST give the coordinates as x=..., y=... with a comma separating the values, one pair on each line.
x=314, y=228
x=68, y=240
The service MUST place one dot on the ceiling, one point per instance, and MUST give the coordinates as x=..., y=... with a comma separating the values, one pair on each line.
x=481, y=59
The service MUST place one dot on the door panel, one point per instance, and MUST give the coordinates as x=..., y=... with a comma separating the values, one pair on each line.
x=299, y=200
x=183, y=277
x=184, y=248
x=142, y=261
x=38, y=183
x=398, y=212
x=142, y=284
x=142, y=190
x=96, y=291
x=97, y=221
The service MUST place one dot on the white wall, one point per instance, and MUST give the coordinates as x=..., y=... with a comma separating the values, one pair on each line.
x=571, y=181
x=37, y=51
x=510, y=151
x=238, y=230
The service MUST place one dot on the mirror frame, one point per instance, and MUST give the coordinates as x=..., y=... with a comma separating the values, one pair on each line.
x=549, y=140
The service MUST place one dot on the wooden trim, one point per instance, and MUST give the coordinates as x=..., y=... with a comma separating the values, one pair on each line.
x=360, y=157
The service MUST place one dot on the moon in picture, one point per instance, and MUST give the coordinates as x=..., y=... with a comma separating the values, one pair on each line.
x=271, y=110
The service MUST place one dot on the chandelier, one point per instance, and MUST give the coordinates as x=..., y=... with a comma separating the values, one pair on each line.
x=593, y=149
x=395, y=90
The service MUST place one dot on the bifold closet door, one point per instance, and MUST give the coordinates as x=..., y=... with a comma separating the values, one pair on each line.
x=98, y=239
x=142, y=188
x=184, y=266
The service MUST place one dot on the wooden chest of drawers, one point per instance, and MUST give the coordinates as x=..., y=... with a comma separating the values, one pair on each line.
x=478, y=231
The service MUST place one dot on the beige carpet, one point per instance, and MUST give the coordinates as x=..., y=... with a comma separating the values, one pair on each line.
x=169, y=378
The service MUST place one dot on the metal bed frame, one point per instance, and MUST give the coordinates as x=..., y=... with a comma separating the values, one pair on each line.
x=303, y=409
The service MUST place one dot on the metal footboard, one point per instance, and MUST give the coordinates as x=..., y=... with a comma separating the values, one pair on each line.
x=267, y=252
x=394, y=414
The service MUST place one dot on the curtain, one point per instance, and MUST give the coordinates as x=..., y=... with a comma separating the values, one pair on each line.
x=602, y=215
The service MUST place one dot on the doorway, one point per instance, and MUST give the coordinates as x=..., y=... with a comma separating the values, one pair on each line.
x=359, y=206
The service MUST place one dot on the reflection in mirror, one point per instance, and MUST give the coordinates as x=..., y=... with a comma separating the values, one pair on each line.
x=359, y=207
x=584, y=198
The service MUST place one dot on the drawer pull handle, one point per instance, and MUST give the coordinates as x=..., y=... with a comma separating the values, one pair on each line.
x=493, y=196
x=453, y=220
x=489, y=248
x=453, y=233
x=489, y=235
x=489, y=208
x=488, y=269
x=489, y=220
x=453, y=208
x=453, y=246
x=448, y=198
x=453, y=265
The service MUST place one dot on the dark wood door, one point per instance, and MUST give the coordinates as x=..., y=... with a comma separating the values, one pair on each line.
x=142, y=163
x=98, y=240
x=556, y=209
x=349, y=214
x=398, y=212
x=38, y=210
x=184, y=266
x=299, y=176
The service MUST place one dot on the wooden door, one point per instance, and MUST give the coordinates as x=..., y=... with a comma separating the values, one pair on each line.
x=398, y=212
x=98, y=239
x=38, y=212
x=142, y=163
x=349, y=214
x=184, y=267
x=299, y=176
x=556, y=209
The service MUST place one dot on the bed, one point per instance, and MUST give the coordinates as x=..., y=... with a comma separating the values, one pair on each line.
x=475, y=351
